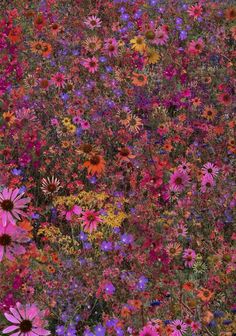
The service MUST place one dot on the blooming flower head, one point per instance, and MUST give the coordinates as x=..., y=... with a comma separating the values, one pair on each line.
x=207, y=183
x=179, y=327
x=189, y=257
x=210, y=168
x=148, y=331
x=26, y=321
x=11, y=205
x=195, y=11
x=90, y=220
x=91, y=64
x=161, y=36
x=93, y=22
x=11, y=238
x=195, y=47
x=178, y=181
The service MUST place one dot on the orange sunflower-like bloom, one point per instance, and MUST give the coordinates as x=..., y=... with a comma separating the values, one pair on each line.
x=139, y=79
x=205, y=294
x=95, y=165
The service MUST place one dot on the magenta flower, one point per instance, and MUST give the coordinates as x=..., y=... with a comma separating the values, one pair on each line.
x=11, y=205
x=11, y=238
x=178, y=181
x=91, y=64
x=75, y=210
x=189, y=257
x=148, y=331
x=27, y=321
x=90, y=220
x=211, y=169
x=179, y=327
x=207, y=183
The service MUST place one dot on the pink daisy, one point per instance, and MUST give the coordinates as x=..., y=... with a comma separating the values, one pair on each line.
x=93, y=22
x=179, y=327
x=27, y=321
x=161, y=36
x=11, y=238
x=207, y=183
x=58, y=79
x=210, y=168
x=111, y=47
x=11, y=203
x=195, y=47
x=195, y=11
x=189, y=257
x=148, y=331
x=184, y=167
x=91, y=64
x=90, y=220
x=178, y=181
x=75, y=210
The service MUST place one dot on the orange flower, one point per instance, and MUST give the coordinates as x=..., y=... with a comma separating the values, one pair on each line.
x=230, y=13
x=9, y=117
x=124, y=154
x=39, y=22
x=207, y=317
x=25, y=224
x=15, y=34
x=139, y=79
x=125, y=312
x=224, y=99
x=196, y=102
x=209, y=113
x=205, y=294
x=188, y=286
x=95, y=165
x=46, y=49
x=137, y=304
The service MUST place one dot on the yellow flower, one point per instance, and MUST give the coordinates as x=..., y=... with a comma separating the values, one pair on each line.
x=71, y=128
x=138, y=43
x=153, y=56
x=9, y=117
x=66, y=121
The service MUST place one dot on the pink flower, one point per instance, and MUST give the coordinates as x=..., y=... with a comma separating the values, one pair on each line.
x=93, y=22
x=11, y=204
x=90, y=220
x=148, y=331
x=91, y=64
x=210, y=168
x=58, y=79
x=11, y=238
x=27, y=321
x=179, y=327
x=75, y=210
x=189, y=257
x=207, y=183
x=161, y=36
x=178, y=181
x=195, y=11
x=195, y=47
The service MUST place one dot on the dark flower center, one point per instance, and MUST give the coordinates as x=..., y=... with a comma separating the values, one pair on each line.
x=124, y=152
x=95, y=160
x=52, y=187
x=208, y=185
x=150, y=35
x=91, y=217
x=178, y=327
x=178, y=181
x=25, y=326
x=5, y=240
x=7, y=205
x=86, y=148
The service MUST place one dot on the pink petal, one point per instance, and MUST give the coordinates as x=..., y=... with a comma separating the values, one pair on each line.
x=9, y=329
x=11, y=318
x=14, y=194
x=4, y=218
x=16, y=334
x=77, y=210
x=40, y=331
x=15, y=313
x=68, y=215
x=10, y=218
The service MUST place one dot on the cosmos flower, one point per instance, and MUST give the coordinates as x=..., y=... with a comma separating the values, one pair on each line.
x=161, y=36
x=11, y=239
x=26, y=321
x=90, y=220
x=195, y=11
x=11, y=205
x=178, y=181
x=91, y=64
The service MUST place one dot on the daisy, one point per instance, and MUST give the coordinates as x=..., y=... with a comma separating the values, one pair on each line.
x=148, y=331
x=92, y=44
x=74, y=210
x=178, y=181
x=161, y=36
x=93, y=22
x=224, y=98
x=209, y=113
x=189, y=257
x=179, y=327
x=173, y=249
x=58, y=79
x=111, y=47
x=11, y=205
x=205, y=295
x=95, y=165
x=139, y=79
x=134, y=123
x=90, y=220
x=11, y=238
x=181, y=230
x=184, y=167
x=207, y=183
x=210, y=168
x=91, y=64
x=152, y=56
x=124, y=154
x=195, y=47
x=138, y=43
x=195, y=11
x=26, y=321
x=50, y=185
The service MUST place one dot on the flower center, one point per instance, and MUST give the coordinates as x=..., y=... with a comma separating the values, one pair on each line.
x=178, y=181
x=150, y=35
x=178, y=327
x=52, y=187
x=124, y=152
x=25, y=326
x=95, y=160
x=5, y=240
x=91, y=217
x=7, y=205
